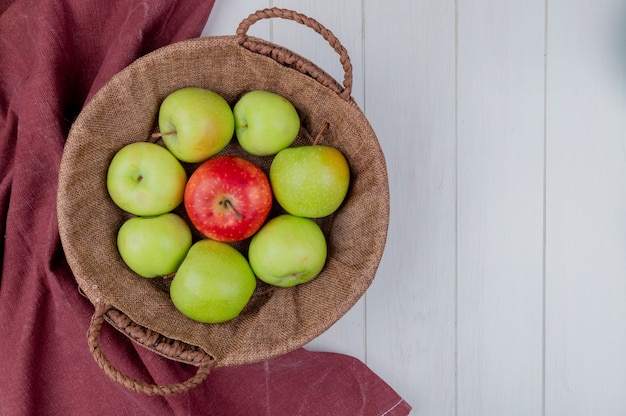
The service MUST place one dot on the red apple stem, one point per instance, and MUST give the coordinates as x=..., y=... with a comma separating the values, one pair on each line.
x=229, y=205
x=324, y=127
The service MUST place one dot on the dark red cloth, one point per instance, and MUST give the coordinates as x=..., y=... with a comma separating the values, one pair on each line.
x=54, y=55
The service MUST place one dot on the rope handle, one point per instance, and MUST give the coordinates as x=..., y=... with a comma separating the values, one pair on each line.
x=93, y=339
x=286, y=57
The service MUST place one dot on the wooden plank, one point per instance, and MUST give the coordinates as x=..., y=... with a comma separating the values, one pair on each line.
x=410, y=100
x=500, y=166
x=586, y=206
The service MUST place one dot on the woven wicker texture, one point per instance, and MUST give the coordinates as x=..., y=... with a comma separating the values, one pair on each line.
x=277, y=320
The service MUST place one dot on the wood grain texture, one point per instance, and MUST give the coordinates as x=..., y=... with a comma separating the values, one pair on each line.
x=500, y=166
x=586, y=203
x=410, y=101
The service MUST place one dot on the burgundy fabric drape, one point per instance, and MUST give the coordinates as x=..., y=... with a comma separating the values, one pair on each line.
x=54, y=55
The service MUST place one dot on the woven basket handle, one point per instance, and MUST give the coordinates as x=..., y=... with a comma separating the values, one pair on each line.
x=286, y=57
x=93, y=337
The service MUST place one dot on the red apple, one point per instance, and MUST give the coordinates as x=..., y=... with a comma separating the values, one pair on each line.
x=228, y=198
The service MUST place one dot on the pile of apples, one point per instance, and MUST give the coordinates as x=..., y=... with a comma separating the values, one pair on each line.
x=227, y=198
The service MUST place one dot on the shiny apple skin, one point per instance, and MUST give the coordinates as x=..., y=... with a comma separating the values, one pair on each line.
x=228, y=198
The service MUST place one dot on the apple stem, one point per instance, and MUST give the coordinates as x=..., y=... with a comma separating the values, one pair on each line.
x=324, y=127
x=169, y=276
x=158, y=134
x=229, y=205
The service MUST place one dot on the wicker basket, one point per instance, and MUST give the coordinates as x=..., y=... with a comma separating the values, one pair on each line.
x=277, y=320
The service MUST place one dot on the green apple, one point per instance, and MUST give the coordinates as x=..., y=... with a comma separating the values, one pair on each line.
x=288, y=251
x=265, y=122
x=310, y=181
x=213, y=284
x=195, y=123
x=154, y=246
x=145, y=179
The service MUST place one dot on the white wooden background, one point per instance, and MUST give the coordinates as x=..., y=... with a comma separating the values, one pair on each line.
x=502, y=290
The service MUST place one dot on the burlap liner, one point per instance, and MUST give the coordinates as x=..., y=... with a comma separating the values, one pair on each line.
x=277, y=320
